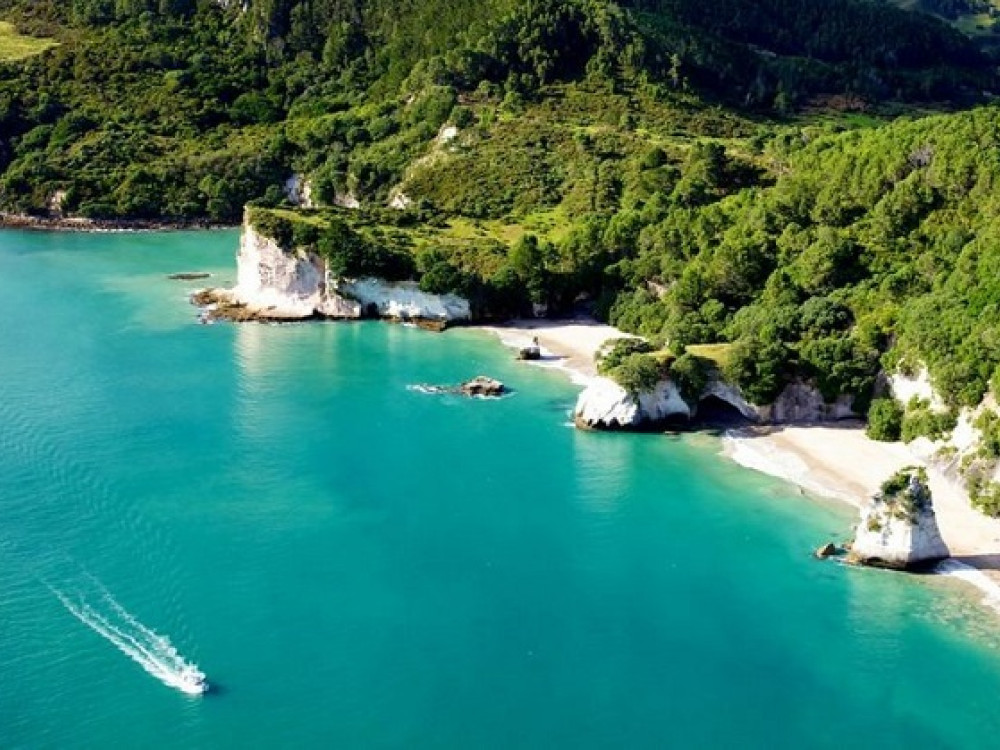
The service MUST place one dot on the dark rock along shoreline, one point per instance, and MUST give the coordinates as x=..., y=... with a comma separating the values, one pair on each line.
x=79, y=224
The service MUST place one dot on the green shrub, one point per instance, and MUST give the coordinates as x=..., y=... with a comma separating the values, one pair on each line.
x=690, y=374
x=885, y=420
x=920, y=420
x=615, y=352
x=988, y=424
x=986, y=497
x=638, y=373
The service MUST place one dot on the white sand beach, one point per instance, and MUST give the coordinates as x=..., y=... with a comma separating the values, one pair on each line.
x=567, y=344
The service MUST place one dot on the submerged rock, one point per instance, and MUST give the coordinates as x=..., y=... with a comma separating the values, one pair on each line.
x=482, y=386
x=188, y=276
x=898, y=529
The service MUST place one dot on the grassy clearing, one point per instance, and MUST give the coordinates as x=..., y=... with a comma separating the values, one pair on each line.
x=717, y=353
x=14, y=46
x=976, y=24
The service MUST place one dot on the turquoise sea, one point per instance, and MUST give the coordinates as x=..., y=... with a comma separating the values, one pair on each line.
x=357, y=564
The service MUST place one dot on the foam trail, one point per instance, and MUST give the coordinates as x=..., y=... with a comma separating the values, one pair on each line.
x=973, y=576
x=150, y=650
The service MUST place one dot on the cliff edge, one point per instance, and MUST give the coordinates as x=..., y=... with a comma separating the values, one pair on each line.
x=273, y=283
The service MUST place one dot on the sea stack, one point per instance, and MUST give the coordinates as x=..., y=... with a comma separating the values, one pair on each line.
x=898, y=527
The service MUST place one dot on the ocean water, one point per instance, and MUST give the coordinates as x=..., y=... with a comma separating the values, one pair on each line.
x=357, y=564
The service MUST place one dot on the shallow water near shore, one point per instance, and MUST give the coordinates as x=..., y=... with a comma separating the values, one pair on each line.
x=355, y=563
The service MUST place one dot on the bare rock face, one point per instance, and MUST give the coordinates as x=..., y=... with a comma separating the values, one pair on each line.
x=275, y=284
x=898, y=528
x=605, y=405
x=482, y=386
x=802, y=402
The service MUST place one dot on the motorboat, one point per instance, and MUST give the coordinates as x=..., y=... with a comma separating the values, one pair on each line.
x=192, y=681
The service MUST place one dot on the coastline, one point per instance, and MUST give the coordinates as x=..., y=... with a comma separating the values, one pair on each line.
x=569, y=345
x=79, y=224
x=836, y=461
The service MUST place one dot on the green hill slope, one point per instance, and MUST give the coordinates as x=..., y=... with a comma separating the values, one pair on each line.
x=177, y=108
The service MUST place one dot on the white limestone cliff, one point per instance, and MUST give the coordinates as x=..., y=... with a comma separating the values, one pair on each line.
x=605, y=405
x=797, y=403
x=277, y=284
x=285, y=285
x=898, y=528
x=801, y=403
x=401, y=299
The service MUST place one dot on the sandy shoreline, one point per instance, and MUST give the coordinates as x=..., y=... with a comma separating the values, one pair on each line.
x=568, y=345
x=835, y=460
x=839, y=461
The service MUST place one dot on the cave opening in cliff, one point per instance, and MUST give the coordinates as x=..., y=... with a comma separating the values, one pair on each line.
x=716, y=412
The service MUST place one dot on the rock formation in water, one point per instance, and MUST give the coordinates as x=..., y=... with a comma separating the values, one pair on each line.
x=482, y=386
x=272, y=284
x=898, y=528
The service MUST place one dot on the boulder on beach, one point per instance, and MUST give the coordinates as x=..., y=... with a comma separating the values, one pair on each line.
x=531, y=352
x=898, y=528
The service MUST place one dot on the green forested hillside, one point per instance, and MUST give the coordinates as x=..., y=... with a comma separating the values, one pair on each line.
x=185, y=108
x=734, y=178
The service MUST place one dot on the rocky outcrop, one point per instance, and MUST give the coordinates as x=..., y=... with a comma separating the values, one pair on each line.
x=401, y=300
x=277, y=283
x=482, y=386
x=827, y=550
x=298, y=191
x=605, y=405
x=532, y=352
x=274, y=284
x=801, y=402
x=798, y=403
x=898, y=528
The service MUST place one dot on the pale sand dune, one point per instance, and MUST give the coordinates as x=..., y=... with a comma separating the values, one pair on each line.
x=839, y=461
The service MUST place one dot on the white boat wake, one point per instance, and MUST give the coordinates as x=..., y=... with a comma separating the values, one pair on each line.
x=150, y=650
